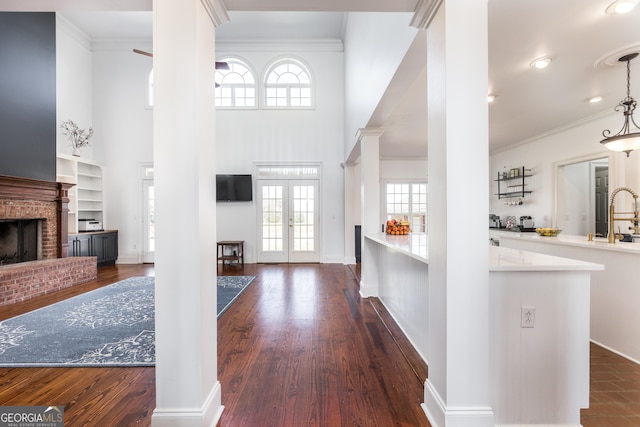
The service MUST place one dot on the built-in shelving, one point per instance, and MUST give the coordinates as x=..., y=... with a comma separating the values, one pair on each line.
x=86, y=200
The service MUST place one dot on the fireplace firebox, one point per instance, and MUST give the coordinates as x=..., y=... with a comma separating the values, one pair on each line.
x=20, y=240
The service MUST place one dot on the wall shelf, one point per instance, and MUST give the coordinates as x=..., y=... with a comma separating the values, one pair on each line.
x=513, y=186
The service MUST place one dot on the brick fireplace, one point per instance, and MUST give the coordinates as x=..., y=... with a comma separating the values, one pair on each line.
x=24, y=199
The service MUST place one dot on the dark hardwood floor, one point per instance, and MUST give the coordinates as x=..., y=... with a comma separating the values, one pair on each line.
x=90, y=396
x=303, y=349
x=299, y=347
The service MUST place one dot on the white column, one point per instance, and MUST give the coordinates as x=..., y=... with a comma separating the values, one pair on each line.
x=457, y=390
x=188, y=393
x=369, y=142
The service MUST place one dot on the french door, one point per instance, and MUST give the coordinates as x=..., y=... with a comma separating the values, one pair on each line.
x=288, y=221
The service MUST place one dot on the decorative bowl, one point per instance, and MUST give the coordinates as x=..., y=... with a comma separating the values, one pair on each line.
x=549, y=232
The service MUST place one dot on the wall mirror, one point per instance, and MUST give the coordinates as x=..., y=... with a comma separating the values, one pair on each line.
x=581, y=195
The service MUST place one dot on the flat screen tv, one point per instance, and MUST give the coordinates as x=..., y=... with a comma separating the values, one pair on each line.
x=234, y=188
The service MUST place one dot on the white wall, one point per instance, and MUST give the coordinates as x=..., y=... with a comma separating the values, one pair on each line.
x=375, y=44
x=577, y=141
x=247, y=137
x=74, y=92
x=403, y=169
x=123, y=139
x=103, y=86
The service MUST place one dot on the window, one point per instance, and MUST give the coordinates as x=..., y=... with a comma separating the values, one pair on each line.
x=236, y=86
x=408, y=201
x=288, y=85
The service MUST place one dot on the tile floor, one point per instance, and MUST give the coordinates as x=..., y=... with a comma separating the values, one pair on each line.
x=615, y=391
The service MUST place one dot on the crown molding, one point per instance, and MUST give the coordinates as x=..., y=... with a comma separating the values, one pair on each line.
x=74, y=32
x=107, y=45
x=271, y=45
x=557, y=130
x=364, y=132
x=424, y=13
x=217, y=11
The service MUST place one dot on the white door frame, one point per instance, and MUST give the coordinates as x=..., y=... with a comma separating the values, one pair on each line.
x=147, y=254
x=287, y=176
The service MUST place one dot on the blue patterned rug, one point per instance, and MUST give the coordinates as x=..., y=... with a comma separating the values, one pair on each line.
x=229, y=289
x=111, y=326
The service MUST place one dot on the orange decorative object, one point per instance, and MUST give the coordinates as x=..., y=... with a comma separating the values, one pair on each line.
x=397, y=228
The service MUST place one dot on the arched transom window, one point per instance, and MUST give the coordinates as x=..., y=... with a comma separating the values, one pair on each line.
x=236, y=87
x=288, y=85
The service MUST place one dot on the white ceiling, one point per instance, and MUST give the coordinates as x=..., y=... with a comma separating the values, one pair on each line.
x=529, y=103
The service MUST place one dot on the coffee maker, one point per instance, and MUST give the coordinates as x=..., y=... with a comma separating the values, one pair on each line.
x=494, y=221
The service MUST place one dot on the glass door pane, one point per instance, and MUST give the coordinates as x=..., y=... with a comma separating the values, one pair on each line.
x=304, y=221
x=303, y=218
x=288, y=222
x=272, y=233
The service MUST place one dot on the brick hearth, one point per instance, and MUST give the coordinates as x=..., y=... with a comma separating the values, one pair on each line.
x=20, y=282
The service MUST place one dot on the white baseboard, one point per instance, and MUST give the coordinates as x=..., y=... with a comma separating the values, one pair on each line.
x=331, y=259
x=615, y=351
x=128, y=259
x=368, y=290
x=439, y=415
x=349, y=261
x=208, y=415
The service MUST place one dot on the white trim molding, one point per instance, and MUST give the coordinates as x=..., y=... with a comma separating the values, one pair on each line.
x=217, y=11
x=208, y=415
x=439, y=415
x=424, y=13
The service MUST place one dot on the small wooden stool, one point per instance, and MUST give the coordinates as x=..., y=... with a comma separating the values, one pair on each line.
x=237, y=251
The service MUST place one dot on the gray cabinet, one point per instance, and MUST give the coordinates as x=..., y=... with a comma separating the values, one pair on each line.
x=103, y=245
x=80, y=245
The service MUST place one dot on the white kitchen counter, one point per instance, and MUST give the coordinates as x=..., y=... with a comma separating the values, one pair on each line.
x=539, y=374
x=570, y=240
x=415, y=245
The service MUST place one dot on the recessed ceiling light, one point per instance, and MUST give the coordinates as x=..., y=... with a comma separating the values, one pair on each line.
x=595, y=99
x=541, y=62
x=621, y=6
x=491, y=98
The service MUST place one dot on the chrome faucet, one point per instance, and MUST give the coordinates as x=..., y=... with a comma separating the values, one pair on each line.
x=613, y=217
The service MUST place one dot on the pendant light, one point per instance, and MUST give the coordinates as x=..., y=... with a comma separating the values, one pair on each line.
x=625, y=140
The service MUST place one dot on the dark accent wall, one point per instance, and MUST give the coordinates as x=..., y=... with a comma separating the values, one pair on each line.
x=28, y=95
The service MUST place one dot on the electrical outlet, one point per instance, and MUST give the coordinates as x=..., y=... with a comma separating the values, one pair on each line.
x=527, y=317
